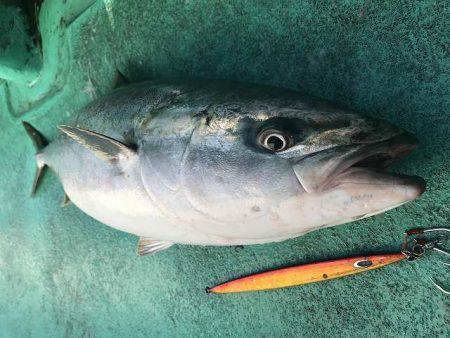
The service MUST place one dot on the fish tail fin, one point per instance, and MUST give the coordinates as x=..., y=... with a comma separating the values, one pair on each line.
x=39, y=143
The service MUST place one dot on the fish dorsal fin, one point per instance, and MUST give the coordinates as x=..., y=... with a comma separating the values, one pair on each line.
x=148, y=246
x=120, y=80
x=104, y=147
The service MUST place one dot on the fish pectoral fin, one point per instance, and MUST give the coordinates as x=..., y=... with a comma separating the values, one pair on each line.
x=148, y=246
x=66, y=201
x=104, y=147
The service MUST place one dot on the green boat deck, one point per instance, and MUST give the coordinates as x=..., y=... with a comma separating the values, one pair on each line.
x=63, y=274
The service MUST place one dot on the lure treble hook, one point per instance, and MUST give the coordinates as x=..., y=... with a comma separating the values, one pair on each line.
x=415, y=248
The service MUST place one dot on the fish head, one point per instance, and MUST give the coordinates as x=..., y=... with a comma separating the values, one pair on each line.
x=341, y=160
x=306, y=166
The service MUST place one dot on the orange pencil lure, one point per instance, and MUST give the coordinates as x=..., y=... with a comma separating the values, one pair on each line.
x=308, y=273
x=317, y=272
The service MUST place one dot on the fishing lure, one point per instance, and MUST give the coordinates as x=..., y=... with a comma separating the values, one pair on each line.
x=414, y=245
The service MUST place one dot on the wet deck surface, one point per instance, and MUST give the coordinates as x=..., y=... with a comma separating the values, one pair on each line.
x=64, y=273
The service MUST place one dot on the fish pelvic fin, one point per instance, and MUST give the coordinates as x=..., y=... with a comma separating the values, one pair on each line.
x=104, y=147
x=39, y=143
x=148, y=246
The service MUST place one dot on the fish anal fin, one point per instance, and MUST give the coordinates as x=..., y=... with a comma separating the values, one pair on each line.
x=104, y=147
x=148, y=246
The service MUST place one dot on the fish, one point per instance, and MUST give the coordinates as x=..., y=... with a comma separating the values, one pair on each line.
x=222, y=163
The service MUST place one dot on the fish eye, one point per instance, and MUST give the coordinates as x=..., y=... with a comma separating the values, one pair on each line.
x=274, y=140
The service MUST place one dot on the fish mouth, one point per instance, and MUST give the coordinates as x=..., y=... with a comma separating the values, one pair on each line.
x=377, y=157
x=360, y=164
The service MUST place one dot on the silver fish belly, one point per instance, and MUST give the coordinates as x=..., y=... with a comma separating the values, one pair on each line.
x=224, y=163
